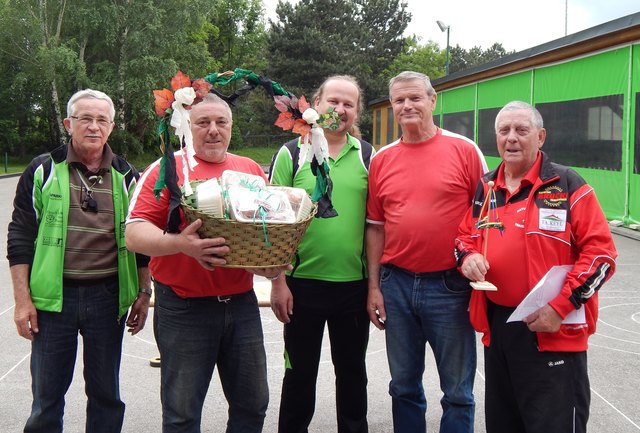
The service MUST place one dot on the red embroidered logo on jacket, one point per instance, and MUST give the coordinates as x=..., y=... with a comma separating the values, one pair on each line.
x=553, y=196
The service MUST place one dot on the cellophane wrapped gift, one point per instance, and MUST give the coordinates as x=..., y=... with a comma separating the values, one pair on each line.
x=246, y=198
x=249, y=199
x=298, y=199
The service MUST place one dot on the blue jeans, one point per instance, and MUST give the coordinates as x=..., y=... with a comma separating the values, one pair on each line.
x=429, y=308
x=91, y=310
x=195, y=335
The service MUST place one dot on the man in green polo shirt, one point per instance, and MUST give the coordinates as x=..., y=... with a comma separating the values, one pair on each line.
x=328, y=281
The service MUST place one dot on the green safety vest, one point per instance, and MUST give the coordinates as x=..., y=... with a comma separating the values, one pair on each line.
x=51, y=202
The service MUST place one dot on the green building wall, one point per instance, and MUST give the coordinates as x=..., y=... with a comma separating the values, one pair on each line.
x=590, y=108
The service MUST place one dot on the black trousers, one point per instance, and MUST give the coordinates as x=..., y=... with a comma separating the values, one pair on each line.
x=342, y=306
x=528, y=391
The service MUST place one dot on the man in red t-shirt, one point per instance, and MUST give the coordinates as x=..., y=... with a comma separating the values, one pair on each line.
x=419, y=190
x=205, y=316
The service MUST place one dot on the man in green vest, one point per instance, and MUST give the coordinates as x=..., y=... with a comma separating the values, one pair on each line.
x=71, y=270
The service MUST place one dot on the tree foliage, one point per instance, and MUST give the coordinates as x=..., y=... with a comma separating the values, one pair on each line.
x=51, y=48
x=240, y=43
x=314, y=39
x=240, y=36
x=461, y=59
x=311, y=40
x=428, y=59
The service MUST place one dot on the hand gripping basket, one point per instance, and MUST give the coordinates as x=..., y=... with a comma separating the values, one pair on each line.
x=252, y=245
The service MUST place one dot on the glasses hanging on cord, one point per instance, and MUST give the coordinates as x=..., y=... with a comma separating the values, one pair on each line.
x=89, y=204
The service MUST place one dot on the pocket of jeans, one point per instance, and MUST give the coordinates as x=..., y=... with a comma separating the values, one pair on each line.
x=385, y=273
x=457, y=283
x=166, y=299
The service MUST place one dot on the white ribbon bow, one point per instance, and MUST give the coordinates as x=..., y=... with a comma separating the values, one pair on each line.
x=181, y=122
x=314, y=143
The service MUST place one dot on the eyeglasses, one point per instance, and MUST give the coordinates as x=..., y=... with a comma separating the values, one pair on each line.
x=88, y=120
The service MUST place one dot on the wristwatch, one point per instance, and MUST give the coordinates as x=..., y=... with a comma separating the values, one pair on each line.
x=146, y=290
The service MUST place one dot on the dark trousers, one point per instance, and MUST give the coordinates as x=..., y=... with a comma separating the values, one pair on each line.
x=90, y=310
x=528, y=391
x=342, y=306
x=196, y=336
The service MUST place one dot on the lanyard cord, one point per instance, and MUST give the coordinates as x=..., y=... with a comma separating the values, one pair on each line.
x=98, y=179
x=84, y=182
x=88, y=203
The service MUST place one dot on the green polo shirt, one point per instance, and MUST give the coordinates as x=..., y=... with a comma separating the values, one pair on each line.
x=332, y=248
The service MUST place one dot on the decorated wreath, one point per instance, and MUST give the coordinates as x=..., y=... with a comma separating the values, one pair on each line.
x=296, y=115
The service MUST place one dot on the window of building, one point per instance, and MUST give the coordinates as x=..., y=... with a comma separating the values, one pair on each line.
x=487, y=131
x=604, y=124
x=460, y=123
x=585, y=132
x=390, y=122
x=378, y=122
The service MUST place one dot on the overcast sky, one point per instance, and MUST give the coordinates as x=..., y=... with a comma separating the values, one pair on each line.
x=517, y=24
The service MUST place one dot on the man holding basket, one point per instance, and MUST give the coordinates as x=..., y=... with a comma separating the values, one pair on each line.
x=205, y=315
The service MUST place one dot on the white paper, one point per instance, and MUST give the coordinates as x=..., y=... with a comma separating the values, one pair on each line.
x=546, y=290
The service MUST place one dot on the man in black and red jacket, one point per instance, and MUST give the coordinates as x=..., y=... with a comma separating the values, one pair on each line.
x=536, y=369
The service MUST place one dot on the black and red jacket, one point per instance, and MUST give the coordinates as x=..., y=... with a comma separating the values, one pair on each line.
x=585, y=242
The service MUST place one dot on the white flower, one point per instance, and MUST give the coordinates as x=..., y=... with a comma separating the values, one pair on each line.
x=185, y=95
x=310, y=116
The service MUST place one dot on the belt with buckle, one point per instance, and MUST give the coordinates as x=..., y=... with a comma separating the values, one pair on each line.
x=431, y=275
x=228, y=298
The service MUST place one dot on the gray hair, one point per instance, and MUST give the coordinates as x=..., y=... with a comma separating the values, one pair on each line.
x=89, y=93
x=411, y=76
x=212, y=98
x=535, y=116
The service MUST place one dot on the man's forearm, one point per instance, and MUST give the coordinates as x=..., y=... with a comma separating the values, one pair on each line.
x=20, y=279
x=145, y=238
x=374, y=241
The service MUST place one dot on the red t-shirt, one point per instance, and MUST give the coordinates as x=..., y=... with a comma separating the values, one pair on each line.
x=506, y=252
x=183, y=273
x=420, y=192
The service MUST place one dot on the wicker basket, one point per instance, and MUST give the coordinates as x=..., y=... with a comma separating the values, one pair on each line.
x=247, y=241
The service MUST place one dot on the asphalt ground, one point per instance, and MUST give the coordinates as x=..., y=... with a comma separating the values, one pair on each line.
x=614, y=364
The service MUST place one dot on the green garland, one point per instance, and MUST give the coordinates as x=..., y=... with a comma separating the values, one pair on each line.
x=167, y=177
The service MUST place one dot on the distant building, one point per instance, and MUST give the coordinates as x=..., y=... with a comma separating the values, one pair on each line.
x=587, y=87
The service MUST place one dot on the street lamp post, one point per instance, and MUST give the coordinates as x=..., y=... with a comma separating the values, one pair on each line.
x=444, y=27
